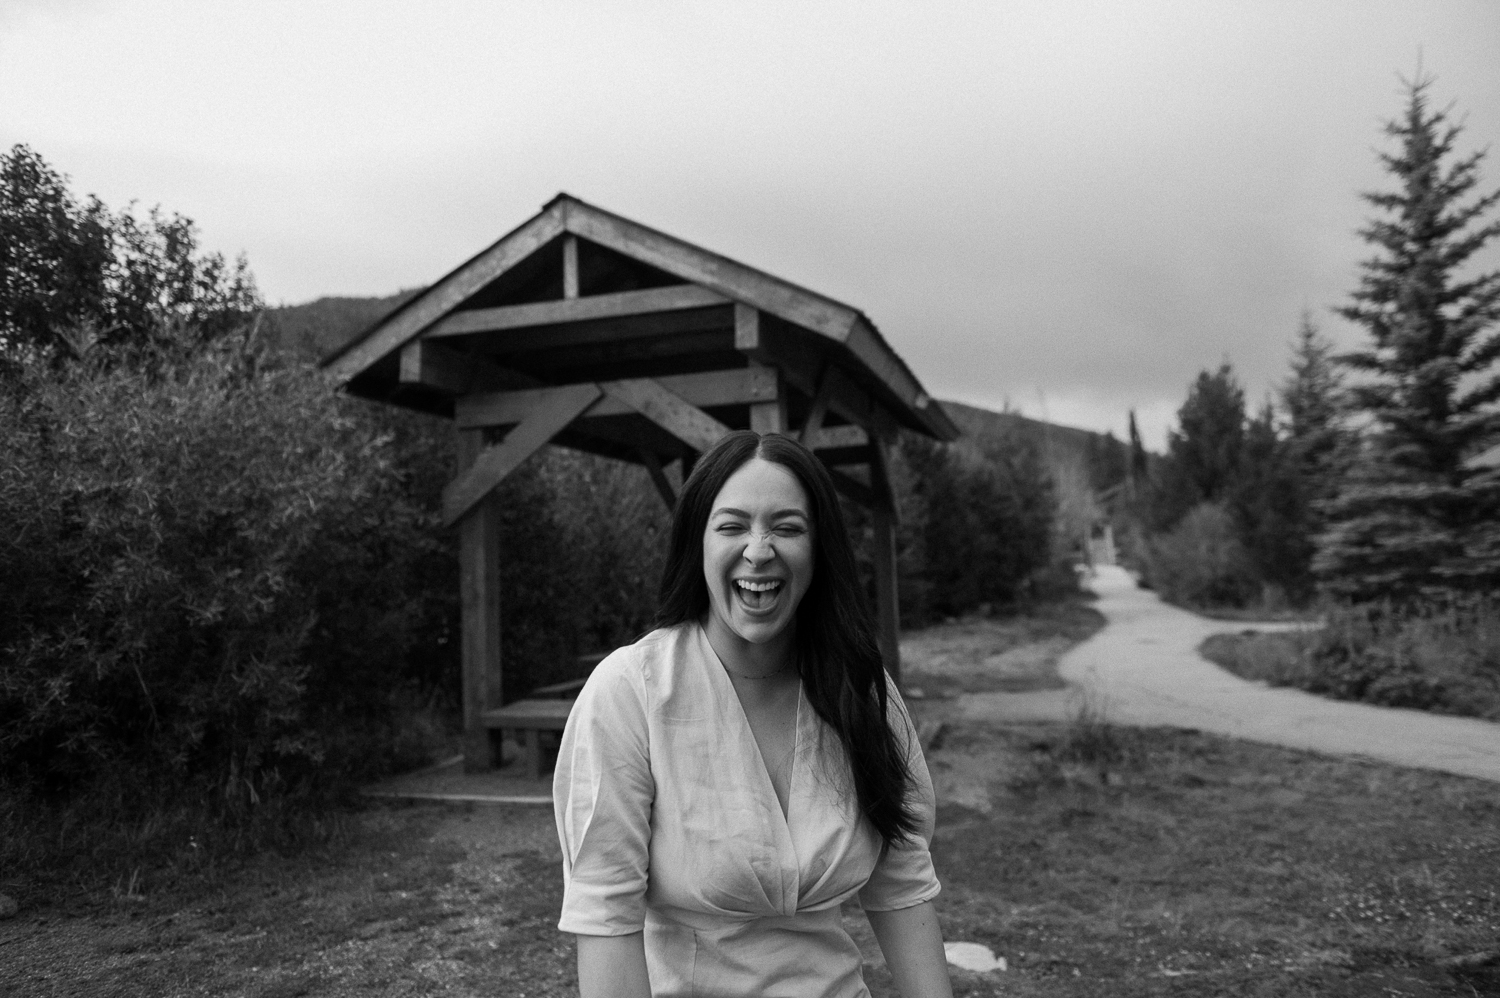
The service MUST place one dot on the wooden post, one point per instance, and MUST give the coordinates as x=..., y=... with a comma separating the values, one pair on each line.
x=769, y=416
x=479, y=603
x=570, y=266
x=887, y=605
x=883, y=553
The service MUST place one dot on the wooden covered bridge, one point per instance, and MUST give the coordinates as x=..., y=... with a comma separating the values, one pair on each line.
x=587, y=330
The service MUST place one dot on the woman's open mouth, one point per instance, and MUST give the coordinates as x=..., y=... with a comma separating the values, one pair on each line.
x=758, y=596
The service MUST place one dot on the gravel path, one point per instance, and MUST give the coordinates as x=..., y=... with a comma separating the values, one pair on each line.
x=1143, y=669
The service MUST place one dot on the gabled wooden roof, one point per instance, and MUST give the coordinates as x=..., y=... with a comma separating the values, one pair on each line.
x=643, y=304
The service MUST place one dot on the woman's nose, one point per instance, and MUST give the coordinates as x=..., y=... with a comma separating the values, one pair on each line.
x=758, y=549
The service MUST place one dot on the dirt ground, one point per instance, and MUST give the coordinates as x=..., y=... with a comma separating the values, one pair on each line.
x=1098, y=862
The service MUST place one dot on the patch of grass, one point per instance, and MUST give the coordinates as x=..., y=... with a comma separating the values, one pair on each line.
x=1442, y=657
x=1099, y=861
x=1215, y=867
x=1275, y=657
x=410, y=901
x=1014, y=654
x=1272, y=613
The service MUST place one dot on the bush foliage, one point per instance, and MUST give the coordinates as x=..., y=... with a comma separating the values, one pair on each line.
x=216, y=573
x=1441, y=656
x=1201, y=562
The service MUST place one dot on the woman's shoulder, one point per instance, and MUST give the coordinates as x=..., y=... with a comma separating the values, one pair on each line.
x=647, y=661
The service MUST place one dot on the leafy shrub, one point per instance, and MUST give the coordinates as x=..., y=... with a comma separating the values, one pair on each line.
x=1201, y=562
x=213, y=576
x=227, y=574
x=1442, y=657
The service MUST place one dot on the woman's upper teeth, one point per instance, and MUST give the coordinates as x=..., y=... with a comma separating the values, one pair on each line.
x=758, y=587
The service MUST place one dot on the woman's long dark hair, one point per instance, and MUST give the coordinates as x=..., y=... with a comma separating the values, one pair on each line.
x=837, y=656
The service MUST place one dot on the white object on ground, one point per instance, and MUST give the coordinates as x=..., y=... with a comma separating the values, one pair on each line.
x=973, y=956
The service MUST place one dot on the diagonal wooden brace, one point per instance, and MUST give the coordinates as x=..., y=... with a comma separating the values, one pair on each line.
x=671, y=412
x=659, y=478
x=563, y=405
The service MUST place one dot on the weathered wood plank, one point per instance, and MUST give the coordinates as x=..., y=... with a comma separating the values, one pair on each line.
x=746, y=327
x=448, y=370
x=620, y=304
x=737, y=386
x=768, y=416
x=854, y=489
x=880, y=477
x=570, y=266
x=448, y=294
x=814, y=421
x=774, y=347
x=837, y=438
x=865, y=343
x=479, y=608
x=672, y=413
x=562, y=406
x=659, y=478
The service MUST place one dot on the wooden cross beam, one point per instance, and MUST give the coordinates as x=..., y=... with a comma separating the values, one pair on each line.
x=562, y=406
x=436, y=366
x=542, y=413
x=672, y=413
x=659, y=477
x=712, y=388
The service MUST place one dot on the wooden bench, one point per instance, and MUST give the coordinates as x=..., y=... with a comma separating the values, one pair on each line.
x=545, y=708
x=530, y=717
x=556, y=691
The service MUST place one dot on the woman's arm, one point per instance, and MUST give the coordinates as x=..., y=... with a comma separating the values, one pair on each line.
x=913, y=948
x=613, y=967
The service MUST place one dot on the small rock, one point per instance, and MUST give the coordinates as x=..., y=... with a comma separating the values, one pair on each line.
x=8, y=906
x=973, y=956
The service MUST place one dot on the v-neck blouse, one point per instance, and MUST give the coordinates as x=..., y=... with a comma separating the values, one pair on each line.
x=669, y=823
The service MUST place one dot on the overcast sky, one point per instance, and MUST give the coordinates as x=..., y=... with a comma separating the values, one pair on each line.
x=1069, y=208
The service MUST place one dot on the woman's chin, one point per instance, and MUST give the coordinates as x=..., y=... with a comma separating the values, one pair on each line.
x=757, y=629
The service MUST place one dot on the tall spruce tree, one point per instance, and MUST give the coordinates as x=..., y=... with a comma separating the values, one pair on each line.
x=1312, y=455
x=1413, y=516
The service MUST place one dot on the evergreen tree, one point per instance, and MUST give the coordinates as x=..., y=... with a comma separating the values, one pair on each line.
x=1314, y=402
x=1267, y=507
x=1310, y=458
x=1107, y=462
x=1412, y=515
x=1203, y=452
x=1138, y=465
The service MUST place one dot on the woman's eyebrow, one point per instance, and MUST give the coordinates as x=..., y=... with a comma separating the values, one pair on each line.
x=789, y=511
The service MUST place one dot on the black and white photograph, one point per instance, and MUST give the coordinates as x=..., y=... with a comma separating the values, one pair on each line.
x=670, y=499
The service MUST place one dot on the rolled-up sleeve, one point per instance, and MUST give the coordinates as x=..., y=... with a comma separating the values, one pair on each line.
x=904, y=875
x=602, y=794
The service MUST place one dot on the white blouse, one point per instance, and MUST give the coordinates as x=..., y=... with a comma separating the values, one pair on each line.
x=669, y=823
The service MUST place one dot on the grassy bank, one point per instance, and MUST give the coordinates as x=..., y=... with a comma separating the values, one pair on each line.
x=1098, y=861
x=1196, y=865
x=1442, y=658
x=1016, y=653
x=1176, y=864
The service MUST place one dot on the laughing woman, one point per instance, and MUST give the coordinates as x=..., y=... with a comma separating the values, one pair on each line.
x=729, y=780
